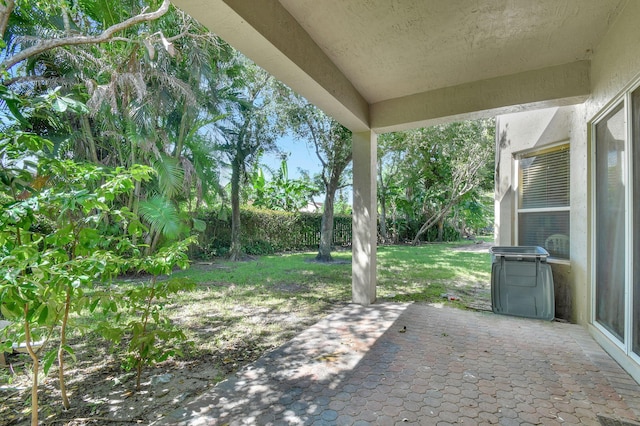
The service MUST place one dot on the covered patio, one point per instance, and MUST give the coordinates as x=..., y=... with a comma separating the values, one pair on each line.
x=360, y=366
x=379, y=66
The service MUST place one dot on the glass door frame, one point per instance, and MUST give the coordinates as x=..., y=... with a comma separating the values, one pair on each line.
x=625, y=99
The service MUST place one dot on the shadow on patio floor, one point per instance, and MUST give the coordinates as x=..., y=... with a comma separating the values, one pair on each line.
x=359, y=366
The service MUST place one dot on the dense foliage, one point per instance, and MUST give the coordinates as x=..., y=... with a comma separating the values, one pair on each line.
x=76, y=213
x=437, y=176
x=268, y=232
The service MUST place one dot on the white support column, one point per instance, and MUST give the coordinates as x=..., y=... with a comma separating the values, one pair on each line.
x=365, y=230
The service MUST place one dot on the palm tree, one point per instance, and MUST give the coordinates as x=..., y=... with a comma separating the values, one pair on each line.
x=246, y=131
x=151, y=91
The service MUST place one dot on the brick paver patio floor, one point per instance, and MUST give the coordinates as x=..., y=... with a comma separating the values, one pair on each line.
x=359, y=366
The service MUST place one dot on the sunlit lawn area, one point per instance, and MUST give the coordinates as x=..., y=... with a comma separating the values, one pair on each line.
x=262, y=302
x=424, y=273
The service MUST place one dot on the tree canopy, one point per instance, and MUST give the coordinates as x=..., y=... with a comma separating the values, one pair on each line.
x=332, y=144
x=427, y=174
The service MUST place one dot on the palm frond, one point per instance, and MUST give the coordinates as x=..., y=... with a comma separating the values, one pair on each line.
x=190, y=176
x=170, y=175
x=162, y=216
x=175, y=86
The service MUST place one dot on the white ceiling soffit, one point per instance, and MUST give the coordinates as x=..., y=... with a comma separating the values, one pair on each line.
x=393, y=64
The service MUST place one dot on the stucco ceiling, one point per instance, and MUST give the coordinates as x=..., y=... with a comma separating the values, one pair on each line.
x=391, y=64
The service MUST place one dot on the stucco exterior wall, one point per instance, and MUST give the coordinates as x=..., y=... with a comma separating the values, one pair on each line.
x=580, y=217
x=615, y=62
x=615, y=65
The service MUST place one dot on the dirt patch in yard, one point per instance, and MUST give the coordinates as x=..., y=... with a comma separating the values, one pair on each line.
x=101, y=392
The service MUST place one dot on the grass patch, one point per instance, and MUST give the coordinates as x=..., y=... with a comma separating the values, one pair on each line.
x=424, y=273
x=245, y=308
x=266, y=299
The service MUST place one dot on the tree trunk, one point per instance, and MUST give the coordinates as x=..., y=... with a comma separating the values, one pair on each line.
x=383, y=203
x=425, y=226
x=63, y=342
x=134, y=206
x=394, y=226
x=46, y=44
x=383, y=220
x=440, y=230
x=154, y=241
x=36, y=367
x=181, y=133
x=6, y=8
x=326, y=230
x=435, y=219
x=235, y=251
x=91, y=143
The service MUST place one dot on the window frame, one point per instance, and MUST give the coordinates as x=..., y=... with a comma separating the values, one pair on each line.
x=519, y=156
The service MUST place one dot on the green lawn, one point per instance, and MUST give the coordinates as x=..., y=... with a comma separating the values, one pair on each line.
x=240, y=309
x=258, y=304
x=425, y=272
x=425, y=265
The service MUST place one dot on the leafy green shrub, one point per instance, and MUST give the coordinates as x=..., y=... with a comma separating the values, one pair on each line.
x=267, y=232
x=63, y=230
x=151, y=335
x=259, y=247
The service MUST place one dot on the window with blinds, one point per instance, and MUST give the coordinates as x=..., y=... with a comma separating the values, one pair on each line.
x=543, y=200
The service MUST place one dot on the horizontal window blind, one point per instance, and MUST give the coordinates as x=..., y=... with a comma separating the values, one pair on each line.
x=544, y=200
x=544, y=180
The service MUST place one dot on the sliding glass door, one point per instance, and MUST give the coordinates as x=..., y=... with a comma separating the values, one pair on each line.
x=617, y=224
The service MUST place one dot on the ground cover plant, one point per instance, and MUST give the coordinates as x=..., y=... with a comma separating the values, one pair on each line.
x=235, y=313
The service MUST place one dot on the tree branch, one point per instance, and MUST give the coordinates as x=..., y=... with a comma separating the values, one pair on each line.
x=5, y=12
x=106, y=35
x=29, y=79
